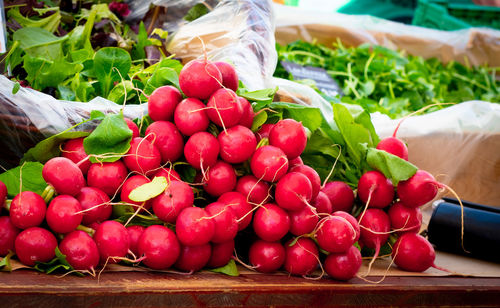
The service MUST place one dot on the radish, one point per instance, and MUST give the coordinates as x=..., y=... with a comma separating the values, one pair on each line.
x=8, y=234
x=412, y=252
x=344, y=265
x=194, y=227
x=322, y=204
x=312, y=175
x=201, y=150
x=266, y=257
x=80, y=250
x=290, y=136
x=221, y=254
x=167, y=139
x=199, y=79
x=293, y=191
x=159, y=246
x=107, y=177
x=375, y=227
x=303, y=221
x=64, y=175
x=405, y=219
x=133, y=127
x=263, y=132
x=129, y=185
x=27, y=210
x=271, y=222
x=301, y=256
x=220, y=178
x=255, y=191
x=191, y=117
x=224, y=220
x=193, y=258
x=269, y=163
x=340, y=195
x=134, y=233
x=64, y=214
x=35, y=245
x=394, y=146
x=248, y=113
x=335, y=234
x=73, y=150
x=297, y=161
x=237, y=144
x=96, y=200
x=142, y=157
x=176, y=197
x=352, y=220
x=240, y=206
x=224, y=108
x=162, y=103
x=229, y=75
x=168, y=173
x=112, y=241
x=3, y=193
x=419, y=189
x=376, y=188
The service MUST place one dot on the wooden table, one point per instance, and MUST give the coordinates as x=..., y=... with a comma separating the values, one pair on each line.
x=133, y=289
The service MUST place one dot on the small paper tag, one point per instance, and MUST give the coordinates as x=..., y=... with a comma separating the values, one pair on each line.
x=3, y=37
x=324, y=82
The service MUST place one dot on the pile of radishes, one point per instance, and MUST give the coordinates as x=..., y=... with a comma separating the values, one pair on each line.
x=245, y=181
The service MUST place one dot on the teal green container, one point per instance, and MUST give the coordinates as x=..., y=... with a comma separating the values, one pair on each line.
x=454, y=15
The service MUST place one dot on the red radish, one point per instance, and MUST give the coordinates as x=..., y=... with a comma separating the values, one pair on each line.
x=271, y=223
x=162, y=103
x=199, y=79
x=394, y=146
x=248, y=113
x=220, y=178
x=112, y=240
x=266, y=257
x=27, y=210
x=303, y=221
x=134, y=234
x=237, y=144
x=405, y=219
x=168, y=173
x=159, y=246
x=241, y=208
x=167, y=138
x=64, y=214
x=224, y=220
x=269, y=163
x=191, y=117
x=254, y=190
x=344, y=265
x=290, y=136
x=419, y=189
x=80, y=250
x=375, y=227
x=142, y=157
x=297, y=161
x=221, y=254
x=129, y=185
x=335, y=234
x=193, y=258
x=8, y=234
x=375, y=186
x=3, y=193
x=64, y=175
x=201, y=150
x=96, y=200
x=293, y=191
x=412, y=252
x=176, y=197
x=133, y=127
x=107, y=177
x=73, y=149
x=302, y=257
x=264, y=131
x=229, y=75
x=352, y=220
x=340, y=194
x=35, y=245
x=194, y=227
x=322, y=204
x=224, y=108
x=312, y=175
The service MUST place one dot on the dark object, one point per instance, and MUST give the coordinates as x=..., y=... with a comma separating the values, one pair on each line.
x=481, y=237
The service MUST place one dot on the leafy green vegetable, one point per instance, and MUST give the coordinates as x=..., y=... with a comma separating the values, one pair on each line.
x=229, y=269
x=58, y=263
x=196, y=12
x=50, y=147
x=110, y=65
x=393, y=167
x=149, y=190
x=26, y=177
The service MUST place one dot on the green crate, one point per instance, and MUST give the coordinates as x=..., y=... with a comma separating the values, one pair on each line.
x=454, y=15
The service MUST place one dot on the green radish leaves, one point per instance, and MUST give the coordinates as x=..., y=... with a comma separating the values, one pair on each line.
x=50, y=147
x=28, y=176
x=111, y=64
x=229, y=269
x=394, y=168
x=149, y=190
